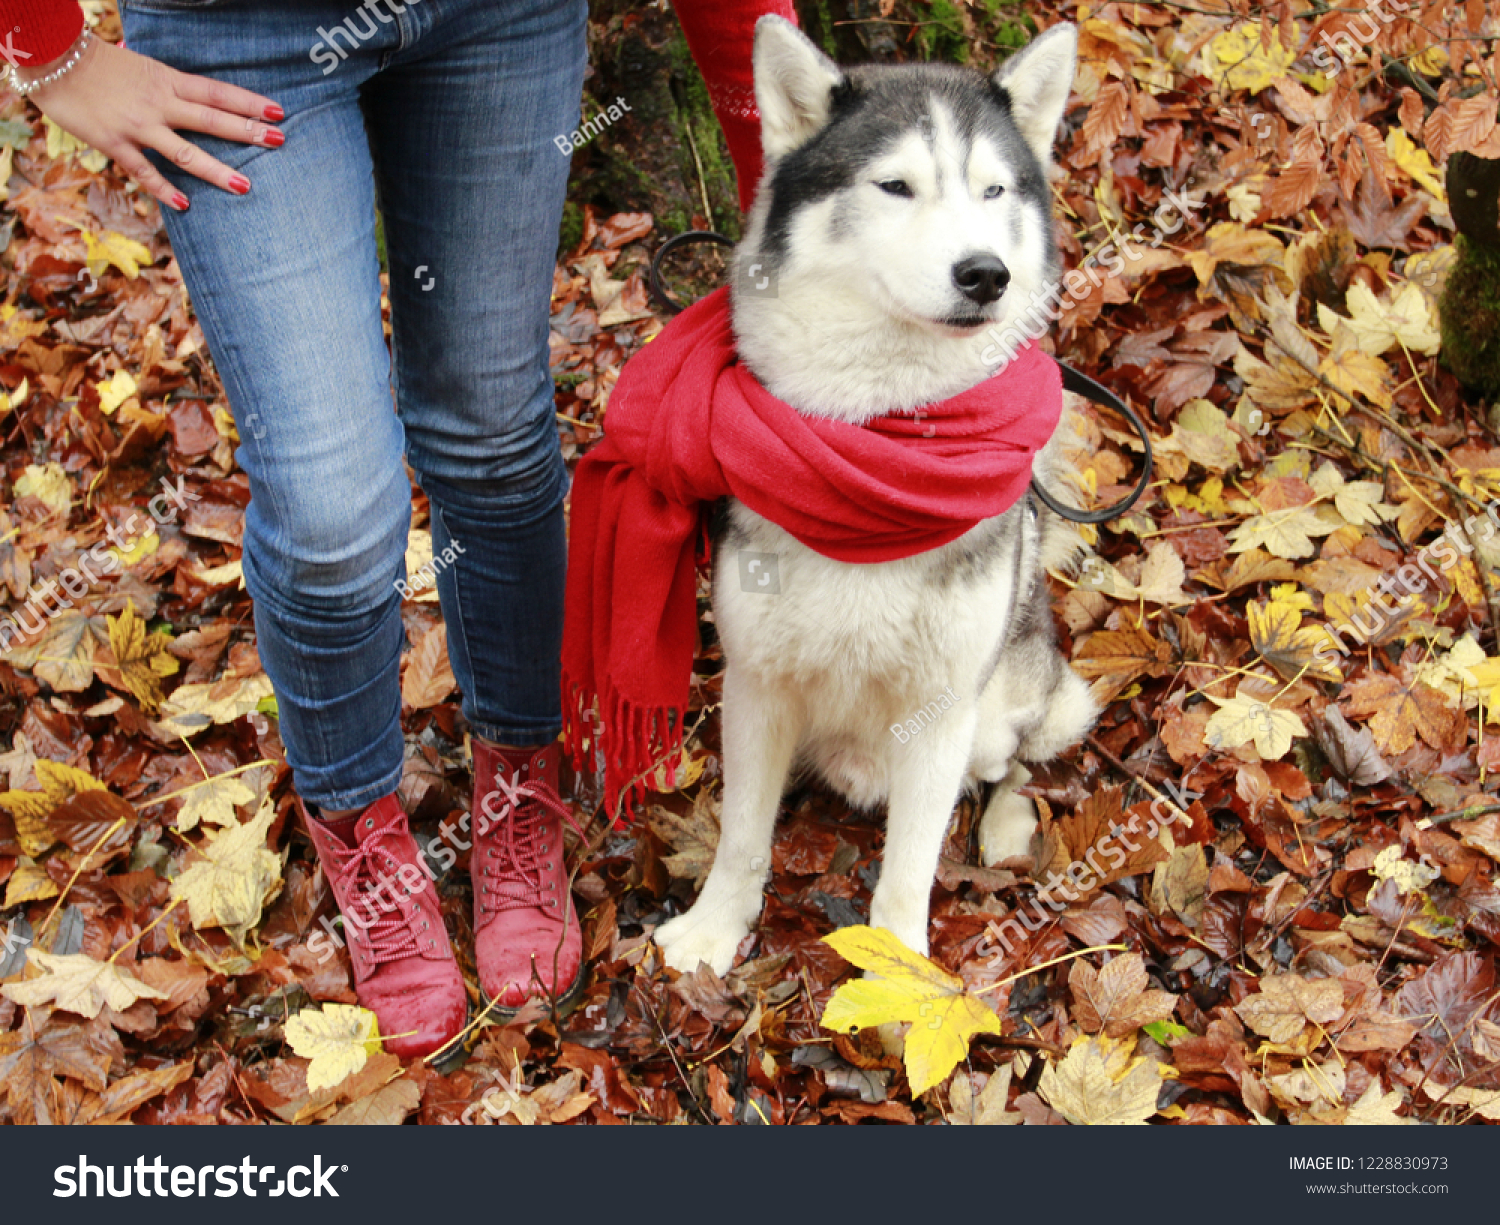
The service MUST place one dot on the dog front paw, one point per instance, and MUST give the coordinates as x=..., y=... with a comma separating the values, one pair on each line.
x=1006, y=829
x=691, y=939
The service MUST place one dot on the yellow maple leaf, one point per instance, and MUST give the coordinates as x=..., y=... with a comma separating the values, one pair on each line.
x=943, y=1016
x=62, y=144
x=139, y=548
x=1099, y=1083
x=1358, y=502
x=30, y=809
x=194, y=708
x=114, y=391
x=1486, y=676
x=1237, y=58
x=1245, y=718
x=1484, y=1102
x=77, y=983
x=337, y=1039
x=1353, y=372
x=1290, y=593
x=213, y=800
x=1374, y=1108
x=1378, y=325
x=222, y=576
x=1244, y=199
x=1430, y=61
x=1276, y=631
x=1415, y=161
x=1409, y=877
x=230, y=884
x=1456, y=673
x=143, y=659
x=16, y=398
x=115, y=250
x=1285, y=532
x=49, y=484
x=1202, y=433
x=28, y=883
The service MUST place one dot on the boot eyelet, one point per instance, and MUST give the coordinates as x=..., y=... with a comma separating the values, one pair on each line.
x=550, y=865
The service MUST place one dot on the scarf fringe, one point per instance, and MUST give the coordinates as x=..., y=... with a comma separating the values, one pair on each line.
x=639, y=740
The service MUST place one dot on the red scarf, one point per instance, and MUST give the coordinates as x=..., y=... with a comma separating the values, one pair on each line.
x=686, y=425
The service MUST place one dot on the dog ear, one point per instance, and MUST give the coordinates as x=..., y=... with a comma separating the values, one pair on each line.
x=1038, y=79
x=793, y=85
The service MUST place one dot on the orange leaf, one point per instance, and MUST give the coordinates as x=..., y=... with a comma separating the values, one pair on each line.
x=1404, y=710
x=1106, y=117
x=1437, y=135
x=1292, y=190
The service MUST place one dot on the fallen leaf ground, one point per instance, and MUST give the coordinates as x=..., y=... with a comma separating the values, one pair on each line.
x=1311, y=939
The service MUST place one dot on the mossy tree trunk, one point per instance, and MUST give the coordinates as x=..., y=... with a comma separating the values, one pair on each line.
x=1470, y=308
x=667, y=155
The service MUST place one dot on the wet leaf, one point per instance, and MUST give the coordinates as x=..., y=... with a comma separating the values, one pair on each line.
x=1099, y=1084
x=227, y=886
x=337, y=1039
x=1116, y=999
x=79, y=984
x=943, y=1016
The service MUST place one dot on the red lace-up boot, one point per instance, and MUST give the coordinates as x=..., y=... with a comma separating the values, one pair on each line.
x=404, y=968
x=526, y=935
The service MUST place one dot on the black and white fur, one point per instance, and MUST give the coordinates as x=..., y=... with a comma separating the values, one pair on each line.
x=878, y=205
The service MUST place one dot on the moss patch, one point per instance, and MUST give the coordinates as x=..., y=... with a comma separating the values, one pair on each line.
x=1470, y=317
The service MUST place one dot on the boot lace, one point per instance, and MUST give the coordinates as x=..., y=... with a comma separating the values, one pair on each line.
x=387, y=927
x=520, y=857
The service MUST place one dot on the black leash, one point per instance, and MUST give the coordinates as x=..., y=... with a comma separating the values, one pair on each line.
x=1072, y=380
x=1080, y=384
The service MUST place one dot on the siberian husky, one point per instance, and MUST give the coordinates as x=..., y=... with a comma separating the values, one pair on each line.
x=904, y=220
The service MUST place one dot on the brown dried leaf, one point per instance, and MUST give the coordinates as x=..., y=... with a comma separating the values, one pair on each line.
x=1116, y=999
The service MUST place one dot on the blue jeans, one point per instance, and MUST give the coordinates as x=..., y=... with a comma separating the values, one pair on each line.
x=444, y=114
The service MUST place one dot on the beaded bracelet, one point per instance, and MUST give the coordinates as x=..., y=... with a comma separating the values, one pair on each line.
x=74, y=58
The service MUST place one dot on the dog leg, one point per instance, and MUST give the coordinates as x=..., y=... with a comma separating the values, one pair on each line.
x=926, y=779
x=761, y=728
x=1009, y=820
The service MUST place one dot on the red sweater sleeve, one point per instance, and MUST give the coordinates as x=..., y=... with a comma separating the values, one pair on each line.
x=36, y=32
x=721, y=34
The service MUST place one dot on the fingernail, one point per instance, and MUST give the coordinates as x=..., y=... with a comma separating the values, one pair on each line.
x=273, y=113
x=239, y=184
x=179, y=202
x=273, y=138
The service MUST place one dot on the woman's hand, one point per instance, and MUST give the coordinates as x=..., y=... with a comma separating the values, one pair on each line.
x=122, y=104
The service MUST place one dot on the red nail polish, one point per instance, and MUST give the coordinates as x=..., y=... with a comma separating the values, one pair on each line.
x=239, y=184
x=179, y=202
x=273, y=113
x=274, y=139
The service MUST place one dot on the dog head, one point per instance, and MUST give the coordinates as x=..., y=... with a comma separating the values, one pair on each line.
x=904, y=209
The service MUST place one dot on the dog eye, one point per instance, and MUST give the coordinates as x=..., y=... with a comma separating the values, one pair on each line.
x=896, y=187
x=994, y=193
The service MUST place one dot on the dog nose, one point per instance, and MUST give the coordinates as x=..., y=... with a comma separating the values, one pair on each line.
x=981, y=278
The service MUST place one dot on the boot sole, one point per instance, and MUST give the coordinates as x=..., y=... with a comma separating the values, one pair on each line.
x=565, y=1002
x=459, y=1055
